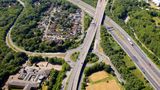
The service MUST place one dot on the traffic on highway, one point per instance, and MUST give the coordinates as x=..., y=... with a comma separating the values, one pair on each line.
x=147, y=67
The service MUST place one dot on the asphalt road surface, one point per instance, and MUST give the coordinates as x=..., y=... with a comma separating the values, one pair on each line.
x=147, y=67
x=95, y=24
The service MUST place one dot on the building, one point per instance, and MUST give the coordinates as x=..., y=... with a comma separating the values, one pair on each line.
x=157, y=2
x=29, y=78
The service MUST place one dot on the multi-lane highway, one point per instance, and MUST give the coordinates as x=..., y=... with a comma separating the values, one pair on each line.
x=148, y=68
x=94, y=26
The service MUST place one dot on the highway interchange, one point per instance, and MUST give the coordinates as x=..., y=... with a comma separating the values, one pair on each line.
x=94, y=26
x=148, y=68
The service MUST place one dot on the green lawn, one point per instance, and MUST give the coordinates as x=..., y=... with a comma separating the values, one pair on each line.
x=74, y=56
x=91, y=2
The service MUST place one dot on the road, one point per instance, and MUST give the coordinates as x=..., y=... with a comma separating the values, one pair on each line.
x=102, y=56
x=141, y=60
x=95, y=24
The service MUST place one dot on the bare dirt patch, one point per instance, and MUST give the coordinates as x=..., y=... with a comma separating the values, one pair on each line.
x=46, y=65
x=110, y=85
x=98, y=76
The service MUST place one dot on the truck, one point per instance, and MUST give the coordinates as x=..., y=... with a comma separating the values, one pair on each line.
x=130, y=41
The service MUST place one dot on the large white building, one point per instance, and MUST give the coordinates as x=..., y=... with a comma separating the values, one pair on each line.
x=157, y=2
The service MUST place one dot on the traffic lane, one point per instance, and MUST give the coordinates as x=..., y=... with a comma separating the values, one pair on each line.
x=73, y=74
x=144, y=59
x=137, y=62
x=145, y=73
x=147, y=61
x=143, y=55
x=141, y=58
x=92, y=33
x=82, y=55
x=150, y=71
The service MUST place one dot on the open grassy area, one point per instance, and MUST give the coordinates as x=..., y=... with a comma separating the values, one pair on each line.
x=74, y=56
x=103, y=81
x=91, y=2
x=98, y=76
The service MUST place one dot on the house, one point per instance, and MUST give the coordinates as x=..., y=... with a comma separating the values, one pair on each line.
x=157, y=2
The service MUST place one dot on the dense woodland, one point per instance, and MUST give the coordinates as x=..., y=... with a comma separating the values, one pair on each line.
x=144, y=21
x=25, y=33
x=9, y=61
x=117, y=57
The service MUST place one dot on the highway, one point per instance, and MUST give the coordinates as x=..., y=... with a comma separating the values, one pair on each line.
x=141, y=60
x=95, y=24
x=102, y=56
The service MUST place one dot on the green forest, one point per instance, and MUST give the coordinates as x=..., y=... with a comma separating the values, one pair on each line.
x=144, y=22
x=9, y=61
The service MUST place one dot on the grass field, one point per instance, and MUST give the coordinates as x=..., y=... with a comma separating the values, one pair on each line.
x=108, y=85
x=91, y=2
x=103, y=81
x=74, y=56
x=98, y=76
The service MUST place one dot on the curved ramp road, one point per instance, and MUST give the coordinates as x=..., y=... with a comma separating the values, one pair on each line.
x=147, y=67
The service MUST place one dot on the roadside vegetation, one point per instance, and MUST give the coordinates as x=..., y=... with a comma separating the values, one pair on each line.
x=10, y=61
x=74, y=56
x=133, y=77
x=91, y=2
x=87, y=21
x=144, y=22
x=26, y=35
x=91, y=58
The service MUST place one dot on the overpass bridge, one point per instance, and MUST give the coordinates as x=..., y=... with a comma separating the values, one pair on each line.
x=141, y=60
x=94, y=26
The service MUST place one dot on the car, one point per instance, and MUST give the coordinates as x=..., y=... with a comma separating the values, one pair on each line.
x=130, y=41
